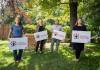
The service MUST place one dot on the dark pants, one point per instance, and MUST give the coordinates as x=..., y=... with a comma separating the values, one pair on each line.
x=17, y=54
x=78, y=47
x=77, y=54
x=40, y=44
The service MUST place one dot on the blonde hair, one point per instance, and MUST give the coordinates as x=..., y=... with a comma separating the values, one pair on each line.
x=40, y=21
x=76, y=24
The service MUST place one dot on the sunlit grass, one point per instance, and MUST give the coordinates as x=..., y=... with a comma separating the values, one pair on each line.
x=63, y=60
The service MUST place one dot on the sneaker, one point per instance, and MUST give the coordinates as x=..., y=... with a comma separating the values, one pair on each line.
x=16, y=61
x=36, y=52
x=41, y=52
x=76, y=60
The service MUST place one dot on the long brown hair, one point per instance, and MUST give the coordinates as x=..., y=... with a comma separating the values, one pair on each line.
x=18, y=19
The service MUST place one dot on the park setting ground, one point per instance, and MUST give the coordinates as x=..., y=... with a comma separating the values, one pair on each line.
x=63, y=60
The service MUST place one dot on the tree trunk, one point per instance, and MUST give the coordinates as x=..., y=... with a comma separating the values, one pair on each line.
x=73, y=15
x=73, y=12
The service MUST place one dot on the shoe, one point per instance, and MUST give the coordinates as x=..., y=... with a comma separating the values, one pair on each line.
x=36, y=52
x=16, y=61
x=41, y=52
x=76, y=60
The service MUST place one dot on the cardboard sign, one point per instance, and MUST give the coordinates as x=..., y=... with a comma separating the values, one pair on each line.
x=41, y=35
x=18, y=43
x=58, y=35
x=81, y=36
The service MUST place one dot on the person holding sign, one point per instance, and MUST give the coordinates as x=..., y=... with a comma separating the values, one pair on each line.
x=78, y=47
x=40, y=44
x=16, y=31
x=56, y=27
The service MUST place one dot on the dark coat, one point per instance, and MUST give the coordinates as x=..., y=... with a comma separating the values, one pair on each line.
x=40, y=28
x=79, y=46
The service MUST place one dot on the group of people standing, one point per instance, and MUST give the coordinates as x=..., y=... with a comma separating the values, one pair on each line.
x=17, y=30
x=41, y=27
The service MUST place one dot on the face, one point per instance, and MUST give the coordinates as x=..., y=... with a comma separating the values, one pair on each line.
x=17, y=20
x=56, y=22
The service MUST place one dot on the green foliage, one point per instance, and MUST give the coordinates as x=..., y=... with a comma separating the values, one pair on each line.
x=90, y=11
x=49, y=21
x=48, y=4
x=67, y=29
x=48, y=28
x=29, y=28
x=8, y=19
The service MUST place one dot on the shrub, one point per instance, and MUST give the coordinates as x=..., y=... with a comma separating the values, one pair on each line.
x=29, y=28
x=68, y=33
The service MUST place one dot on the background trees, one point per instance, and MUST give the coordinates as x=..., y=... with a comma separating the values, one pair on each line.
x=66, y=11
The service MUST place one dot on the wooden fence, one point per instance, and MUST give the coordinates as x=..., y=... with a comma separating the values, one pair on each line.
x=4, y=31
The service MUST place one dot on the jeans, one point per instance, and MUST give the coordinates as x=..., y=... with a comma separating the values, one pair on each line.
x=17, y=54
x=57, y=44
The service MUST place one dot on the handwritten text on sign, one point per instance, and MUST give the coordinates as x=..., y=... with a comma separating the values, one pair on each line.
x=18, y=43
x=58, y=35
x=41, y=35
x=81, y=36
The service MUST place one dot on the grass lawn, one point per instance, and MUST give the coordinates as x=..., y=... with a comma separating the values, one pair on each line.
x=90, y=59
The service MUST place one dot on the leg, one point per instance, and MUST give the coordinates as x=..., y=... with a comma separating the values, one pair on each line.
x=20, y=54
x=57, y=45
x=52, y=45
x=77, y=53
x=15, y=55
x=79, y=48
x=37, y=45
x=42, y=45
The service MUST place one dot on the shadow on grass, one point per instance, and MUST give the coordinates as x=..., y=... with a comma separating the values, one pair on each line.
x=90, y=60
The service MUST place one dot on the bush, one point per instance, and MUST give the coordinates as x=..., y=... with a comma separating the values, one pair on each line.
x=48, y=28
x=29, y=28
x=50, y=21
x=67, y=29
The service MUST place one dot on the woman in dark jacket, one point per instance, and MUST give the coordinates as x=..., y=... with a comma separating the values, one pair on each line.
x=40, y=44
x=78, y=47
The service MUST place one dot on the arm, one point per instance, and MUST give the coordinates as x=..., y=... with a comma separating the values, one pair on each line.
x=23, y=31
x=61, y=28
x=37, y=29
x=10, y=33
x=52, y=28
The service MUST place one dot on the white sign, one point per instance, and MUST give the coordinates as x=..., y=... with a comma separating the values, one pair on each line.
x=58, y=35
x=18, y=43
x=41, y=35
x=81, y=36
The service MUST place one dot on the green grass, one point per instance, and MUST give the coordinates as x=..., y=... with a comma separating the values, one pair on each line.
x=90, y=59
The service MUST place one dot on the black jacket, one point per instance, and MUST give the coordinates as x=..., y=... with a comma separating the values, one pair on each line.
x=79, y=46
